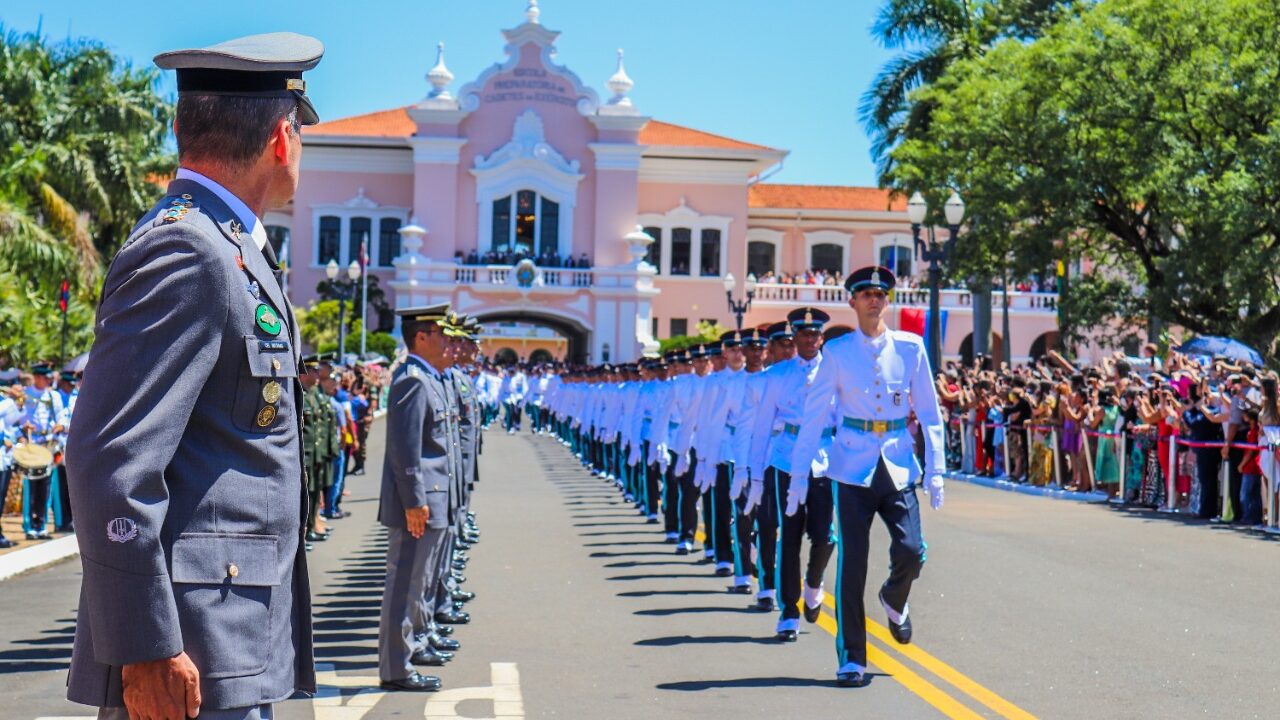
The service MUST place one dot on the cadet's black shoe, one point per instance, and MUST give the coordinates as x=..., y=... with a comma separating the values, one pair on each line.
x=724, y=572
x=852, y=679
x=786, y=636
x=453, y=618
x=901, y=633
x=309, y=547
x=764, y=604
x=313, y=537
x=740, y=589
x=811, y=614
x=5, y=542
x=682, y=550
x=463, y=545
x=458, y=577
x=429, y=657
x=463, y=596
x=459, y=556
x=439, y=642
x=457, y=605
x=413, y=683
x=444, y=631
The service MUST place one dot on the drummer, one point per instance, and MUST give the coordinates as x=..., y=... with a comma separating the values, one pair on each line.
x=42, y=409
x=10, y=430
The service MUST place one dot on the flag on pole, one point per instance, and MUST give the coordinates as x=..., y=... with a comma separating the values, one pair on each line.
x=64, y=296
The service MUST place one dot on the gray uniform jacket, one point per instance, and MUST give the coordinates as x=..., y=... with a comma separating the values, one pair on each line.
x=418, y=468
x=188, y=492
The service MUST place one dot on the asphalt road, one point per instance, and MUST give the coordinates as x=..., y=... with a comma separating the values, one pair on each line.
x=1028, y=607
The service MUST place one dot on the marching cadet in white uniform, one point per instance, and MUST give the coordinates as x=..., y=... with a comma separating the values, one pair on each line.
x=713, y=471
x=878, y=377
x=773, y=442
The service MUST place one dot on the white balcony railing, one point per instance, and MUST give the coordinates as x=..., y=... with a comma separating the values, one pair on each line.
x=817, y=295
x=504, y=275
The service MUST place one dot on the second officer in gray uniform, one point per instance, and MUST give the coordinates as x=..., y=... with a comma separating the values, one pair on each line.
x=183, y=457
x=417, y=475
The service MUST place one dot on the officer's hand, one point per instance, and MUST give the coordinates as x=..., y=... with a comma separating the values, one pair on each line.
x=416, y=520
x=795, y=497
x=754, y=494
x=167, y=689
x=935, y=492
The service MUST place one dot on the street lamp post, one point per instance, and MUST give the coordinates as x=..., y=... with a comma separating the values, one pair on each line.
x=739, y=307
x=936, y=254
x=344, y=291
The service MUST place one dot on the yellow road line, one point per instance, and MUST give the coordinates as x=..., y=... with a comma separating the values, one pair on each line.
x=909, y=679
x=915, y=683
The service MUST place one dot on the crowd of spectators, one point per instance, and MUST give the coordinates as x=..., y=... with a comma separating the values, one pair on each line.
x=1123, y=427
x=512, y=257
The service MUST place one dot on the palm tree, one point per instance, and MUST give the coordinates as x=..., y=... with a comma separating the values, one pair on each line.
x=80, y=132
x=931, y=35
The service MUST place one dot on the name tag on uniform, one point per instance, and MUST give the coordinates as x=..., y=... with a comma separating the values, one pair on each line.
x=897, y=398
x=273, y=346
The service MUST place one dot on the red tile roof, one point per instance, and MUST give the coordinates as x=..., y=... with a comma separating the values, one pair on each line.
x=822, y=197
x=396, y=123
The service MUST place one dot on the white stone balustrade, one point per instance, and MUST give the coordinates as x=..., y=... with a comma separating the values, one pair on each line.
x=819, y=295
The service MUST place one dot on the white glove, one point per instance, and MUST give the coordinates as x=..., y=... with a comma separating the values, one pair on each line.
x=754, y=494
x=796, y=495
x=737, y=484
x=935, y=492
x=664, y=458
x=682, y=464
x=703, y=477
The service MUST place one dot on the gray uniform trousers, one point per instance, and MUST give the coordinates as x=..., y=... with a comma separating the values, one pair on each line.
x=411, y=565
x=257, y=712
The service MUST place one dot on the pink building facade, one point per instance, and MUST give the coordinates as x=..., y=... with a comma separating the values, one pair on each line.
x=478, y=197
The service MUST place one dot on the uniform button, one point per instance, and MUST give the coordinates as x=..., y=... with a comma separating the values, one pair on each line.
x=435, y=487
x=877, y=396
x=275, y=364
x=877, y=409
x=233, y=571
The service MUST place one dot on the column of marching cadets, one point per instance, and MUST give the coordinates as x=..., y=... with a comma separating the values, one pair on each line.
x=735, y=438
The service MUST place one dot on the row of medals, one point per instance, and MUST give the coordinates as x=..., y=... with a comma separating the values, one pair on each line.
x=272, y=390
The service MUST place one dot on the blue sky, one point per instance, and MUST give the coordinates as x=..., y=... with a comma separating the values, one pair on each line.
x=784, y=74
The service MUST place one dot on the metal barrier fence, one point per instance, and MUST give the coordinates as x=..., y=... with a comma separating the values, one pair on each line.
x=1269, y=459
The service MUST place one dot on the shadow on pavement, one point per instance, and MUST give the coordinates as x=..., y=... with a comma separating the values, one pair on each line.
x=346, y=612
x=675, y=640
x=51, y=651
x=763, y=682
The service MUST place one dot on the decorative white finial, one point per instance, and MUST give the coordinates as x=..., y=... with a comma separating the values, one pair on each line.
x=532, y=12
x=439, y=76
x=620, y=84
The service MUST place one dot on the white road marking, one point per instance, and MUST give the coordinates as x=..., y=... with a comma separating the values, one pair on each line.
x=504, y=691
x=328, y=702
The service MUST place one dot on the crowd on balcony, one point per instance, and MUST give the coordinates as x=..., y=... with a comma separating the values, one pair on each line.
x=505, y=256
x=1130, y=428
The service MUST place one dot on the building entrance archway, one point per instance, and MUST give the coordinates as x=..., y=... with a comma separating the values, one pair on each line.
x=576, y=335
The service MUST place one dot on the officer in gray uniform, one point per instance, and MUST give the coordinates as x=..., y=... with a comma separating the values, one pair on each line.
x=417, y=476
x=184, y=454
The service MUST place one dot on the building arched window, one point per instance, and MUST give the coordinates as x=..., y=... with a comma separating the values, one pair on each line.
x=761, y=257
x=827, y=256
x=506, y=356
x=388, y=241
x=330, y=239
x=526, y=222
x=278, y=236
x=541, y=355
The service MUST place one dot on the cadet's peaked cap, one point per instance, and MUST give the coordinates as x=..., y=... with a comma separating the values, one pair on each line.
x=779, y=330
x=874, y=276
x=807, y=318
x=754, y=337
x=269, y=65
x=41, y=369
x=454, y=325
x=732, y=339
x=425, y=313
x=712, y=349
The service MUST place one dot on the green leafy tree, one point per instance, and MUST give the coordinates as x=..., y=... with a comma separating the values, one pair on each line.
x=1141, y=135
x=80, y=134
x=706, y=332
x=328, y=290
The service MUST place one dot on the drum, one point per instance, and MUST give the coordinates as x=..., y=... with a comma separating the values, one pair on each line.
x=32, y=461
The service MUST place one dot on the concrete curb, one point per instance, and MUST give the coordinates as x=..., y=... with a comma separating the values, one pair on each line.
x=1009, y=486
x=16, y=563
